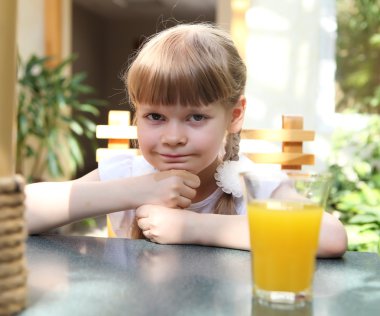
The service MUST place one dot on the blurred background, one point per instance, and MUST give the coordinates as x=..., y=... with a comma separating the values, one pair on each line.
x=316, y=58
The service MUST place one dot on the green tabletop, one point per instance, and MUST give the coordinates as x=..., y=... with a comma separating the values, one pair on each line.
x=98, y=276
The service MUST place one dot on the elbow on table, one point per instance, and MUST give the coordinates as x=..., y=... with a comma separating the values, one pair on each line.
x=334, y=248
x=36, y=226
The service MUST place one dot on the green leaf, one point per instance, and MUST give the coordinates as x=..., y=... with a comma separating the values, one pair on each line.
x=77, y=79
x=76, y=128
x=53, y=165
x=84, y=89
x=89, y=126
x=369, y=209
x=374, y=40
x=75, y=151
x=363, y=169
x=363, y=219
x=30, y=152
x=88, y=108
x=370, y=196
x=22, y=125
x=364, y=241
x=61, y=100
x=66, y=62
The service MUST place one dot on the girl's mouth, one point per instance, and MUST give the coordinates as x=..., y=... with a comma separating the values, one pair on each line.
x=174, y=157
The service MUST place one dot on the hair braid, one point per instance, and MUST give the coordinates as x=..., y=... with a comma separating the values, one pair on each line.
x=226, y=204
x=232, y=147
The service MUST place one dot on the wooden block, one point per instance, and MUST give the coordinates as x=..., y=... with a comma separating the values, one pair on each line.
x=286, y=159
x=116, y=132
x=118, y=143
x=119, y=118
x=281, y=135
x=292, y=123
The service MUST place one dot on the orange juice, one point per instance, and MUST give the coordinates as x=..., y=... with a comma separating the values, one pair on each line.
x=284, y=240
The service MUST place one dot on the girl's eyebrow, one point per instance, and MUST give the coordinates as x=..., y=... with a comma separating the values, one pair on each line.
x=188, y=108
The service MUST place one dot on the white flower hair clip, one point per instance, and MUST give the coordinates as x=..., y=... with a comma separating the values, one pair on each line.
x=227, y=177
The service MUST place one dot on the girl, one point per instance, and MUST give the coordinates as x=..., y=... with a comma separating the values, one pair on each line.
x=187, y=85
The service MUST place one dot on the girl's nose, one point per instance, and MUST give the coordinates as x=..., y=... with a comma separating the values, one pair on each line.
x=174, y=135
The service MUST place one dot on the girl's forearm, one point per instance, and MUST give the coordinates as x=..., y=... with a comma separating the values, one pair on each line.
x=332, y=237
x=53, y=204
x=230, y=231
x=47, y=205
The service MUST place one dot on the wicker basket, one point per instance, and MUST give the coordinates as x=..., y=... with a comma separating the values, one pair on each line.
x=12, y=246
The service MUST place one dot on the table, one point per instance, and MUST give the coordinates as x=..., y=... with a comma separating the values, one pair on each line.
x=100, y=276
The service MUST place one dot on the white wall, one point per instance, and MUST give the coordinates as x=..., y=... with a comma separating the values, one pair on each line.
x=30, y=27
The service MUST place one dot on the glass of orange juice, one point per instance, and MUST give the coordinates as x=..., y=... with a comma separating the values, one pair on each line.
x=284, y=221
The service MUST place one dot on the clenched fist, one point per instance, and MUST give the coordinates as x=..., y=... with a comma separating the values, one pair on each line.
x=173, y=188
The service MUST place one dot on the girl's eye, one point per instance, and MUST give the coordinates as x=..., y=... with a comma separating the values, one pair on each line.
x=155, y=117
x=197, y=117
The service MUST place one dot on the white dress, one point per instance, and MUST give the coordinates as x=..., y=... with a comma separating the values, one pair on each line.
x=125, y=165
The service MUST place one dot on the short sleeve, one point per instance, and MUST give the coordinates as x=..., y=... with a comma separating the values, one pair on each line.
x=263, y=190
x=116, y=167
x=123, y=166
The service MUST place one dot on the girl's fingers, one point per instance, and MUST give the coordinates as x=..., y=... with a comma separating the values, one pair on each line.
x=191, y=180
x=188, y=192
x=143, y=224
x=142, y=212
x=147, y=234
x=183, y=202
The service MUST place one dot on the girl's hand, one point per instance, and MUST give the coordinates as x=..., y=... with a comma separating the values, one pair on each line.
x=173, y=188
x=165, y=225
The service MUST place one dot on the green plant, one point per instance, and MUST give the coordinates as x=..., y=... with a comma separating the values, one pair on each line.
x=358, y=56
x=355, y=166
x=52, y=118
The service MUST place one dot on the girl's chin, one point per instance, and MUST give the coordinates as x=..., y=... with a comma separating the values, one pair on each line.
x=168, y=168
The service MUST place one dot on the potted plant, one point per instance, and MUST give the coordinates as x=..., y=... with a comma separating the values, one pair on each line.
x=52, y=118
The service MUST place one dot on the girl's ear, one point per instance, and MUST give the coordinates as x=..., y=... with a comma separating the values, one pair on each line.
x=237, y=116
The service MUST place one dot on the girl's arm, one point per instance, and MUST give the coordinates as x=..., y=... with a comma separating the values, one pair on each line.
x=232, y=231
x=169, y=226
x=53, y=204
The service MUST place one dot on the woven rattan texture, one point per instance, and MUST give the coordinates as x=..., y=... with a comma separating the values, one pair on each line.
x=12, y=246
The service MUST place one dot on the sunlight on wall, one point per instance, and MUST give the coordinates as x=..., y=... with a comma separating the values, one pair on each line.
x=308, y=5
x=262, y=18
x=238, y=26
x=267, y=62
x=301, y=69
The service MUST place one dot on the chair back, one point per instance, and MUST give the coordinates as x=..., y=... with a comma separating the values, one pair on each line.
x=119, y=132
x=291, y=135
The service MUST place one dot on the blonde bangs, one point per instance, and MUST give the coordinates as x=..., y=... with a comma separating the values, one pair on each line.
x=180, y=68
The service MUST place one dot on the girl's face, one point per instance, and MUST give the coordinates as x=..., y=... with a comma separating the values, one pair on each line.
x=182, y=137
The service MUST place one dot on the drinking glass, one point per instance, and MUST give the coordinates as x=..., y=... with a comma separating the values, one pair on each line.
x=284, y=222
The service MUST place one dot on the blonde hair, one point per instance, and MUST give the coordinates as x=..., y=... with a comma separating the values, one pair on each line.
x=190, y=64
